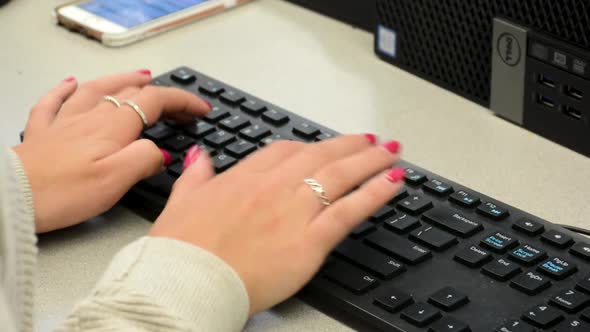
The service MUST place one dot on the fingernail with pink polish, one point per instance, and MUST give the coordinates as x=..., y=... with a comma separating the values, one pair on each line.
x=167, y=157
x=396, y=175
x=192, y=155
x=70, y=79
x=371, y=138
x=208, y=104
x=392, y=146
x=145, y=72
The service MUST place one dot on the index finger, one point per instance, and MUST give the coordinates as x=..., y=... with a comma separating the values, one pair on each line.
x=154, y=101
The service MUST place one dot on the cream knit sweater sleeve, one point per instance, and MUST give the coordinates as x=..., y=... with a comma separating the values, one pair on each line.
x=153, y=284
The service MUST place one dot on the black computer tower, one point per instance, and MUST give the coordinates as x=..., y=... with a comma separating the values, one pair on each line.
x=359, y=13
x=525, y=59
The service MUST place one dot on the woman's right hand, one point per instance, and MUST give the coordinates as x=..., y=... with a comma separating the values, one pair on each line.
x=266, y=223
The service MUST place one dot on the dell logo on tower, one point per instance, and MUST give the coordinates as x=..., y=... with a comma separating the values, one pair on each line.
x=509, y=49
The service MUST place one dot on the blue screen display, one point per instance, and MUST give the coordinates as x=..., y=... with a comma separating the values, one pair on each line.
x=131, y=13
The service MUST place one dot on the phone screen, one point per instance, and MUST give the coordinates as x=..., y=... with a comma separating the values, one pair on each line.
x=131, y=13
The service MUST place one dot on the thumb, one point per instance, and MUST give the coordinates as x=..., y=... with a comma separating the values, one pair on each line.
x=135, y=162
x=198, y=168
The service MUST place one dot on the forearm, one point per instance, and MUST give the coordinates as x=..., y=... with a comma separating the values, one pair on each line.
x=163, y=284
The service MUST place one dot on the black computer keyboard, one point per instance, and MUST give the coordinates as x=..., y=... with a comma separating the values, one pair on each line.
x=438, y=257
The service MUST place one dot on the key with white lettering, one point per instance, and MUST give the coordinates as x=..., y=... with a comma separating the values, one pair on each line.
x=515, y=326
x=473, y=256
x=350, y=277
x=527, y=255
x=369, y=259
x=421, y=314
x=449, y=324
x=531, y=283
x=398, y=247
x=448, y=299
x=453, y=221
x=572, y=325
x=570, y=300
x=499, y=242
x=393, y=299
x=501, y=269
x=542, y=316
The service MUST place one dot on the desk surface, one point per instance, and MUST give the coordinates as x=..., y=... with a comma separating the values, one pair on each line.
x=315, y=66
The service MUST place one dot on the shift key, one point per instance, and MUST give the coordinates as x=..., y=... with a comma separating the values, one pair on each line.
x=398, y=247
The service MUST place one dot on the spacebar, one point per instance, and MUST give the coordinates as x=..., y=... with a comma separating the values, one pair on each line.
x=398, y=247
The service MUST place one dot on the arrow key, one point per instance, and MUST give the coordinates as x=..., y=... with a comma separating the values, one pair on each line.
x=421, y=314
x=393, y=300
x=582, y=250
x=448, y=299
x=543, y=316
x=449, y=324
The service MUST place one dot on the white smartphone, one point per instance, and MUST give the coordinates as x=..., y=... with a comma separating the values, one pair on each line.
x=121, y=22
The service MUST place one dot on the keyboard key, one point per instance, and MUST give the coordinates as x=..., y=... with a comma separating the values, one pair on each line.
x=183, y=76
x=557, y=268
x=211, y=151
x=350, y=277
x=499, y=242
x=199, y=129
x=306, y=130
x=434, y=238
x=570, y=300
x=176, y=169
x=275, y=117
x=421, y=314
x=157, y=82
x=448, y=299
x=219, y=139
x=240, y=149
x=223, y=162
x=584, y=285
x=542, y=316
x=179, y=143
x=161, y=183
x=369, y=259
x=232, y=97
x=438, y=187
x=415, y=204
x=528, y=227
x=398, y=247
x=582, y=250
x=253, y=107
x=527, y=255
x=414, y=177
x=401, y=223
x=452, y=221
x=449, y=324
x=255, y=132
x=271, y=139
x=557, y=239
x=393, y=300
x=159, y=132
x=572, y=325
x=530, y=283
x=586, y=314
x=211, y=88
x=383, y=213
x=362, y=230
x=324, y=137
x=216, y=114
x=515, y=326
x=473, y=256
x=493, y=211
x=465, y=199
x=234, y=123
x=501, y=269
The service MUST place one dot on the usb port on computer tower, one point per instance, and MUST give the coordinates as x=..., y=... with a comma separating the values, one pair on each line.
x=546, y=80
x=546, y=101
x=572, y=112
x=573, y=92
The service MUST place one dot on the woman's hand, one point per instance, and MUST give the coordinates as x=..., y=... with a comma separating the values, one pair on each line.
x=81, y=153
x=265, y=222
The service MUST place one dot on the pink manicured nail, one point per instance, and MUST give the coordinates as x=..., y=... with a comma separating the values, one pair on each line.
x=70, y=79
x=145, y=72
x=208, y=104
x=392, y=146
x=396, y=175
x=167, y=157
x=371, y=138
x=192, y=155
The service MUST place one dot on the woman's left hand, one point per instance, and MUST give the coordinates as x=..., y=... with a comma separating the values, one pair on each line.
x=82, y=153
